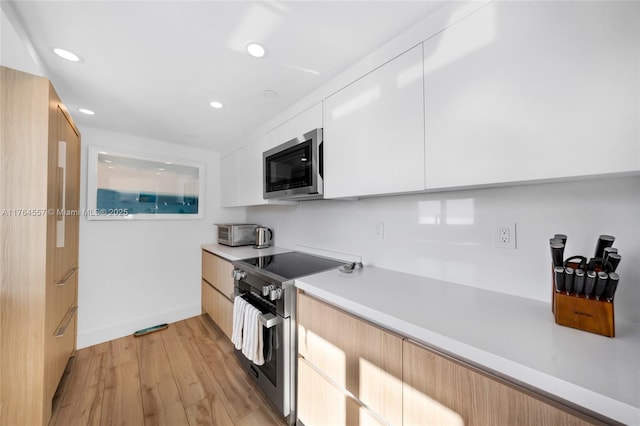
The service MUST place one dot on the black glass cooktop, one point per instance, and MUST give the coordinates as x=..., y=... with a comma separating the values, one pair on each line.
x=293, y=264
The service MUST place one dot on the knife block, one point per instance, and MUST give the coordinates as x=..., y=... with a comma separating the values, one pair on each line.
x=594, y=316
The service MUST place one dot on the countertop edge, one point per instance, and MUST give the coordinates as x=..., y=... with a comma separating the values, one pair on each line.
x=241, y=252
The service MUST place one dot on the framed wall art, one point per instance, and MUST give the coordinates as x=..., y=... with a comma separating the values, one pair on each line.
x=126, y=186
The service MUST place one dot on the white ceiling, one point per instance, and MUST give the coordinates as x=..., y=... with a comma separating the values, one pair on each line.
x=150, y=68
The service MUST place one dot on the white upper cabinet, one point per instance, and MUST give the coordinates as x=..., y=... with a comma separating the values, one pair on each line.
x=242, y=177
x=297, y=126
x=374, y=132
x=229, y=184
x=521, y=91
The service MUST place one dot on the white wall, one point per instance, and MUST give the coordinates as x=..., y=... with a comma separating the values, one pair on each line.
x=13, y=52
x=450, y=235
x=135, y=274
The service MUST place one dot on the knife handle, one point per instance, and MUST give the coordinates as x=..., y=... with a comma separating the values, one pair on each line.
x=558, y=273
x=614, y=259
x=578, y=281
x=604, y=241
x=601, y=284
x=612, y=285
x=557, y=253
x=590, y=283
x=568, y=279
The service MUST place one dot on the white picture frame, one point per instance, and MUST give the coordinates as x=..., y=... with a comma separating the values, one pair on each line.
x=134, y=186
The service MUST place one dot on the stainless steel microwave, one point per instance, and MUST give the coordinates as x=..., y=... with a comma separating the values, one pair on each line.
x=293, y=170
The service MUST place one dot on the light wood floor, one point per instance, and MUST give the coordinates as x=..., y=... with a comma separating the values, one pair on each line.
x=184, y=375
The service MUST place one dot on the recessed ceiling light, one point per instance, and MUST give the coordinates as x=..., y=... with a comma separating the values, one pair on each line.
x=86, y=111
x=69, y=56
x=270, y=94
x=256, y=50
x=215, y=104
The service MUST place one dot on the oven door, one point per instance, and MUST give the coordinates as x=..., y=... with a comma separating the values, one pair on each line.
x=273, y=376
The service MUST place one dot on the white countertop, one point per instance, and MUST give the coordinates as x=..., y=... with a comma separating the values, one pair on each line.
x=243, y=252
x=513, y=337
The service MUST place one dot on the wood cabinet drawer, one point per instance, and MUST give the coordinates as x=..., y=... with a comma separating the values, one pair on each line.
x=322, y=403
x=62, y=295
x=217, y=272
x=62, y=346
x=362, y=358
x=440, y=391
x=218, y=307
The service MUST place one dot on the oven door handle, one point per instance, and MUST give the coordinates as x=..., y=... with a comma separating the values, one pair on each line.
x=269, y=320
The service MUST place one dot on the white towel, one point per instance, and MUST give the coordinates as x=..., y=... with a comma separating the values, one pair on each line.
x=239, y=306
x=252, y=343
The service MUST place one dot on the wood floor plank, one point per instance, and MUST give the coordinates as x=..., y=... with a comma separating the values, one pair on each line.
x=223, y=368
x=161, y=401
x=209, y=411
x=56, y=404
x=85, y=408
x=122, y=394
x=184, y=375
x=188, y=367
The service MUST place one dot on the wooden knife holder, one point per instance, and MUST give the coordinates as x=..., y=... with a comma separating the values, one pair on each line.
x=594, y=316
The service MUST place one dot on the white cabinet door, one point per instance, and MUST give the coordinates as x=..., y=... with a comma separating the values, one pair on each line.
x=241, y=176
x=374, y=132
x=521, y=91
x=229, y=180
x=297, y=126
x=250, y=178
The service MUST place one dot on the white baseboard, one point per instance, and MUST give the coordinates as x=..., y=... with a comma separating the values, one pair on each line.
x=115, y=331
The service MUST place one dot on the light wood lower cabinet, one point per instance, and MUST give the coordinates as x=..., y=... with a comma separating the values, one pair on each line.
x=440, y=391
x=358, y=357
x=351, y=372
x=217, y=291
x=217, y=271
x=218, y=307
x=321, y=402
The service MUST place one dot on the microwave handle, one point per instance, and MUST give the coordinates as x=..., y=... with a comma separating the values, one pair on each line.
x=321, y=160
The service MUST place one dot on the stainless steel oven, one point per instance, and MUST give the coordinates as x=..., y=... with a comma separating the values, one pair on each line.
x=267, y=283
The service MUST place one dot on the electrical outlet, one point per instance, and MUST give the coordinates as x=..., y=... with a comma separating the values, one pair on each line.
x=380, y=230
x=505, y=235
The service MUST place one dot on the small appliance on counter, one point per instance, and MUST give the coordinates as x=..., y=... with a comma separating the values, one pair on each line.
x=236, y=234
x=263, y=237
x=583, y=290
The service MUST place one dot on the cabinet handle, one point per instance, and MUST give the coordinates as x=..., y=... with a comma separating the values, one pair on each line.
x=67, y=277
x=61, y=188
x=65, y=322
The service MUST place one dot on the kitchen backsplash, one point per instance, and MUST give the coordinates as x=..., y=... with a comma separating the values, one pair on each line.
x=451, y=235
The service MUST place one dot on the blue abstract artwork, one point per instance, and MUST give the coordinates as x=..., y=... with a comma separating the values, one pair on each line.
x=131, y=187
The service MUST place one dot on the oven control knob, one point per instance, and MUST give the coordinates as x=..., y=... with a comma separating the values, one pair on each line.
x=275, y=294
x=238, y=274
x=266, y=290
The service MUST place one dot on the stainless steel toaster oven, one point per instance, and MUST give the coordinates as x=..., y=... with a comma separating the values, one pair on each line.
x=236, y=234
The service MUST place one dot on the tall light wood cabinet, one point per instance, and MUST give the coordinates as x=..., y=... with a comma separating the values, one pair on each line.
x=39, y=206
